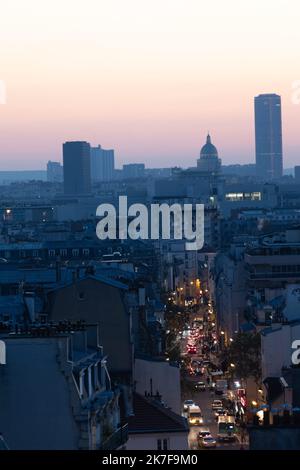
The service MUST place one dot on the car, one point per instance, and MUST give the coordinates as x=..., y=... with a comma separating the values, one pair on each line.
x=187, y=404
x=206, y=364
x=200, y=386
x=208, y=442
x=220, y=412
x=204, y=432
x=216, y=404
x=199, y=372
x=195, y=415
x=196, y=363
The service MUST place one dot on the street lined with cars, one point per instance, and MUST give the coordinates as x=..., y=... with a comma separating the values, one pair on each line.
x=208, y=408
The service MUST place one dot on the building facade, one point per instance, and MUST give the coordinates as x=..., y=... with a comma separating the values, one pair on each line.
x=102, y=164
x=77, y=168
x=268, y=136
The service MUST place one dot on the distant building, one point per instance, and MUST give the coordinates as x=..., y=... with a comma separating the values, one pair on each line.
x=102, y=164
x=133, y=170
x=209, y=160
x=54, y=172
x=77, y=168
x=268, y=136
x=158, y=172
x=297, y=173
x=239, y=170
x=8, y=177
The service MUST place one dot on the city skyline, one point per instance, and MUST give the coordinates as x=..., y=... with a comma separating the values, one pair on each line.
x=148, y=82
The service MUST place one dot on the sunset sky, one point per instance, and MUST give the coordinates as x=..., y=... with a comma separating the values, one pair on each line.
x=148, y=78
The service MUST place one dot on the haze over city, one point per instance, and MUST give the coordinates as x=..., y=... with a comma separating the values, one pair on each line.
x=148, y=79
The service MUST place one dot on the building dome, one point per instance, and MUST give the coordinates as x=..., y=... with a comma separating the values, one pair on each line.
x=208, y=150
x=209, y=160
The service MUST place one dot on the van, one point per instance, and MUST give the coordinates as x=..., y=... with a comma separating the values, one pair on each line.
x=195, y=415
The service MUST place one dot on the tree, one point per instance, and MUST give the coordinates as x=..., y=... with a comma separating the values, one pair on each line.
x=245, y=355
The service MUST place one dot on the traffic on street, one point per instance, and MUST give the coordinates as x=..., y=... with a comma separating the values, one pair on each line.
x=211, y=398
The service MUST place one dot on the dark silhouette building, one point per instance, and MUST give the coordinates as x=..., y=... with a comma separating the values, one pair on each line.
x=77, y=168
x=268, y=136
x=102, y=164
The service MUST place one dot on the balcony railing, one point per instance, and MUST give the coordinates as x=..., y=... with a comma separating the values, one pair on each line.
x=115, y=440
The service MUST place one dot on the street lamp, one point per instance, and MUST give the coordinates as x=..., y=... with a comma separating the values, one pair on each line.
x=232, y=365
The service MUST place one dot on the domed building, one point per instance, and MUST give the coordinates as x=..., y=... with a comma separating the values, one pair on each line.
x=209, y=160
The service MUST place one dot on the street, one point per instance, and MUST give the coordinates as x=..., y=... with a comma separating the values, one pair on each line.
x=204, y=400
x=198, y=371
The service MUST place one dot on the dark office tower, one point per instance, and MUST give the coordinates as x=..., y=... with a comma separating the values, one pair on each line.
x=297, y=173
x=77, y=168
x=268, y=136
x=102, y=164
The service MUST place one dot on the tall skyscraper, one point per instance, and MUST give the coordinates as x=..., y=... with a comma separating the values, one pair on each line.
x=102, y=164
x=268, y=136
x=77, y=168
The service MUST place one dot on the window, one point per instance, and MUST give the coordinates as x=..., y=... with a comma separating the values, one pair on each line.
x=63, y=252
x=43, y=318
x=5, y=317
x=162, y=444
x=81, y=295
x=75, y=252
x=51, y=253
x=86, y=251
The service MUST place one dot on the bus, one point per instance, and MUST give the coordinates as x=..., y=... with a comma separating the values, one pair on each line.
x=195, y=415
x=226, y=428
